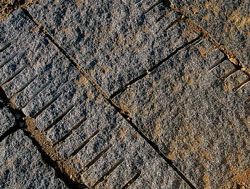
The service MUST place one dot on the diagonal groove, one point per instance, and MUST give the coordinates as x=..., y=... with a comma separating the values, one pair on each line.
x=95, y=159
x=154, y=5
x=109, y=100
x=5, y=47
x=34, y=115
x=36, y=94
x=59, y=118
x=26, y=85
x=223, y=78
x=132, y=180
x=14, y=75
x=8, y=60
x=108, y=172
x=186, y=45
x=165, y=15
x=70, y=132
x=217, y=63
x=178, y=20
x=242, y=84
x=83, y=144
x=155, y=147
x=20, y=124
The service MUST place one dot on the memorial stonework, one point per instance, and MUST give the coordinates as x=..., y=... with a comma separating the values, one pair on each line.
x=124, y=94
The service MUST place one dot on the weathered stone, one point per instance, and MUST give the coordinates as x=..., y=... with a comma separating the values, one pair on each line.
x=13, y=29
x=114, y=41
x=187, y=108
x=107, y=152
x=21, y=165
x=185, y=95
x=84, y=129
x=226, y=21
x=7, y=120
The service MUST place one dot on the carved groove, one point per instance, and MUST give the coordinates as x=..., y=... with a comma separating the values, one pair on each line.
x=83, y=144
x=70, y=132
x=105, y=176
x=137, y=175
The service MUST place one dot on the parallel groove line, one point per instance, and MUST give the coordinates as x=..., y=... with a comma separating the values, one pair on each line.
x=35, y=115
x=59, y=118
x=217, y=63
x=132, y=180
x=23, y=87
x=223, y=78
x=106, y=97
x=14, y=75
x=5, y=47
x=8, y=60
x=186, y=45
x=70, y=132
x=36, y=94
x=44, y=87
x=96, y=158
x=242, y=84
x=47, y=159
x=83, y=144
x=154, y=5
x=105, y=176
x=181, y=19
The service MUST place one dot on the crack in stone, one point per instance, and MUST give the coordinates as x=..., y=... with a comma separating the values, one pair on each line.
x=185, y=45
x=21, y=122
x=108, y=99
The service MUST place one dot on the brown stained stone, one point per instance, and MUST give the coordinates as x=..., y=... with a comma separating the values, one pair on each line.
x=184, y=107
x=226, y=21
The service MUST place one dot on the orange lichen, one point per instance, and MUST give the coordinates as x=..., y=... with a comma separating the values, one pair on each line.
x=83, y=81
x=157, y=130
x=124, y=108
x=213, y=6
x=195, y=10
x=206, y=181
x=203, y=51
x=240, y=21
x=122, y=133
x=189, y=80
x=242, y=178
x=90, y=95
x=227, y=86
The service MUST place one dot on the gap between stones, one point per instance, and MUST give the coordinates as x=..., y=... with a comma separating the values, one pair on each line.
x=109, y=100
x=145, y=73
x=230, y=56
x=21, y=123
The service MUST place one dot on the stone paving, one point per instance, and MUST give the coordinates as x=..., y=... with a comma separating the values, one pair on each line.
x=120, y=94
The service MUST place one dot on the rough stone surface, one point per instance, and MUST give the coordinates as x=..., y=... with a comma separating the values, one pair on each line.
x=7, y=120
x=84, y=129
x=226, y=21
x=115, y=41
x=21, y=165
x=187, y=106
x=181, y=92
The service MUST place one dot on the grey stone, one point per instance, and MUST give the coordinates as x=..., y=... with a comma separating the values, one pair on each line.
x=75, y=119
x=225, y=21
x=21, y=165
x=104, y=149
x=114, y=41
x=188, y=107
x=7, y=120
x=30, y=65
x=194, y=105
